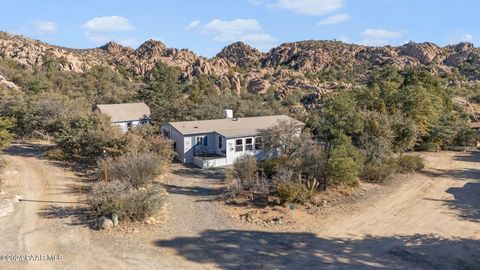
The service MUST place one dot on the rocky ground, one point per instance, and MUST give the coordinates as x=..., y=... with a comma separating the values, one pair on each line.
x=429, y=220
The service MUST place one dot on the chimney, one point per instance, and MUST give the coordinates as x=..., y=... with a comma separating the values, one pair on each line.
x=228, y=114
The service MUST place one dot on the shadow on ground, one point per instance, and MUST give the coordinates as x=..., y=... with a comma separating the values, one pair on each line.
x=194, y=190
x=235, y=249
x=466, y=201
x=38, y=150
x=76, y=215
x=466, y=174
x=469, y=157
x=190, y=171
x=25, y=149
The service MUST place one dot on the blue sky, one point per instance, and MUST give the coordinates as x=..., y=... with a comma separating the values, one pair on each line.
x=206, y=26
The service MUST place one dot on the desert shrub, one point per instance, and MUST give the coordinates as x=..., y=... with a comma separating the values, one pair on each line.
x=56, y=154
x=139, y=169
x=288, y=192
x=465, y=136
x=3, y=164
x=245, y=179
x=5, y=136
x=287, y=189
x=410, y=163
x=291, y=188
x=88, y=136
x=341, y=171
x=128, y=203
x=245, y=170
x=379, y=171
x=427, y=146
x=272, y=165
x=145, y=138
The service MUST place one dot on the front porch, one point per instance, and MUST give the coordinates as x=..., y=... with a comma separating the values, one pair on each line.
x=210, y=160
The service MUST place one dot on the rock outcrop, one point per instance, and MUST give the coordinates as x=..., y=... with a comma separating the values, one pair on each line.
x=241, y=54
x=239, y=67
x=8, y=84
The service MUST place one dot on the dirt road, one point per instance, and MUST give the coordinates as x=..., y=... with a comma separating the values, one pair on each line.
x=431, y=221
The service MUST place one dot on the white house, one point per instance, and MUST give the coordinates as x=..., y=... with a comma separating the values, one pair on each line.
x=219, y=142
x=126, y=115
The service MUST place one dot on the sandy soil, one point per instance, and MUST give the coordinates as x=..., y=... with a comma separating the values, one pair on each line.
x=429, y=220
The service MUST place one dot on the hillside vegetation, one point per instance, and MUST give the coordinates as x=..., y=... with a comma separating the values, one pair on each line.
x=388, y=99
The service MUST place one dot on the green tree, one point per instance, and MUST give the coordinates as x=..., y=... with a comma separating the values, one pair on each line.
x=6, y=124
x=163, y=94
x=338, y=117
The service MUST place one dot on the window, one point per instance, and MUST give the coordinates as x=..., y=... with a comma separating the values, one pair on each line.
x=201, y=140
x=249, y=144
x=238, y=145
x=220, y=142
x=166, y=133
x=258, y=143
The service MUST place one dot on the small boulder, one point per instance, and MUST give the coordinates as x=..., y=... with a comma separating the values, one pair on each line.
x=105, y=223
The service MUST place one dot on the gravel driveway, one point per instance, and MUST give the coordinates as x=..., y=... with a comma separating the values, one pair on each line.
x=431, y=221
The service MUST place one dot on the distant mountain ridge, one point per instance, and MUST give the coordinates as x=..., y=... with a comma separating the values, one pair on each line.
x=240, y=67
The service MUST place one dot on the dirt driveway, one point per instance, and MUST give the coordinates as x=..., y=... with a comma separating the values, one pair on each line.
x=431, y=221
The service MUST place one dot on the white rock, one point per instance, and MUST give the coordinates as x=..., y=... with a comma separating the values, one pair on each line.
x=105, y=223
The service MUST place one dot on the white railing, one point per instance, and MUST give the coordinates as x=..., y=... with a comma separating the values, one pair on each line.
x=209, y=163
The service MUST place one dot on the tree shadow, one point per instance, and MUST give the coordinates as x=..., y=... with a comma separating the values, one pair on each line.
x=38, y=150
x=190, y=171
x=27, y=149
x=473, y=156
x=235, y=249
x=467, y=200
x=466, y=174
x=71, y=215
x=194, y=190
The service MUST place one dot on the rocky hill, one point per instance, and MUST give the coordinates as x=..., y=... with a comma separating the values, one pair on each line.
x=306, y=65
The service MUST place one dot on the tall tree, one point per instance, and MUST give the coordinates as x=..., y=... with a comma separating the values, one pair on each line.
x=163, y=93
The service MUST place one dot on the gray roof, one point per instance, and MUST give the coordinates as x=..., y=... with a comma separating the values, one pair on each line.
x=125, y=112
x=236, y=127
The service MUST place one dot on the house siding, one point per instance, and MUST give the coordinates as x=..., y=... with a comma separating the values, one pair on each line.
x=232, y=155
x=186, y=145
x=190, y=142
x=124, y=125
x=177, y=138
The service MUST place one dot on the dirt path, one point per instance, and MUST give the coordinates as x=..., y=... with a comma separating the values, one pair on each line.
x=48, y=219
x=432, y=221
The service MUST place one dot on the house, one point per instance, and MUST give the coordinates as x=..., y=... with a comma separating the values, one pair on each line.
x=126, y=115
x=219, y=142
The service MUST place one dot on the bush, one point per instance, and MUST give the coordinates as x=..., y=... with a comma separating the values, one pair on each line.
x=294, y=189
x=410, y=163
x=56, y=154
x=380, y=171
x=272, y=165
x=88, y=136
x=245, y=170
x=145, y=138
x=128, y=203
x=341, y=170
x=246, y=179
x=3, y=164
x=137, y=169
x=5, y=136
